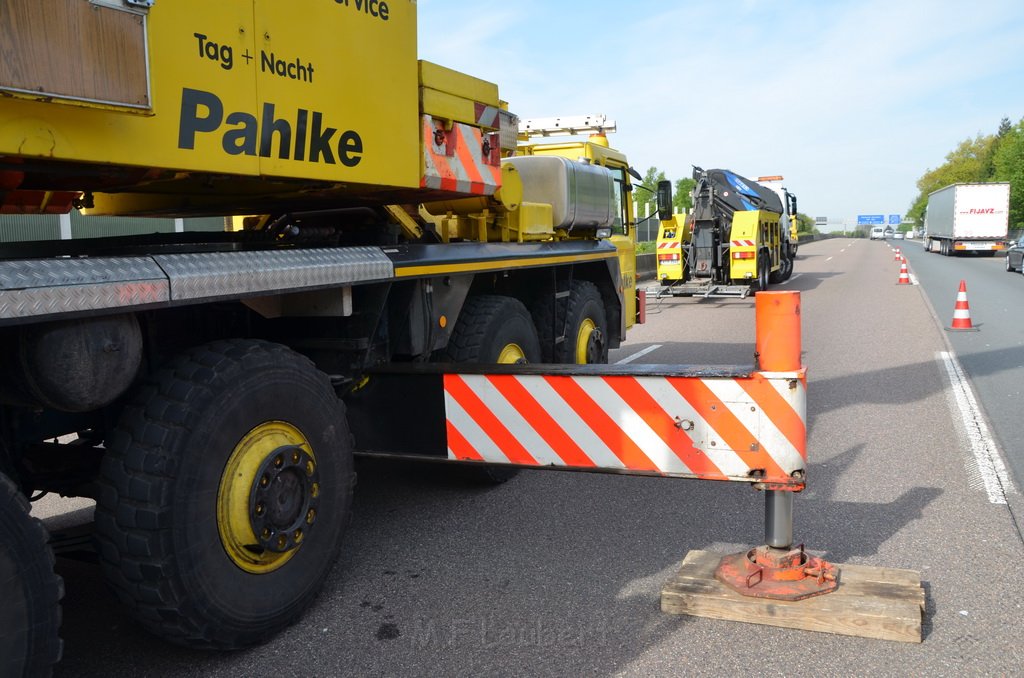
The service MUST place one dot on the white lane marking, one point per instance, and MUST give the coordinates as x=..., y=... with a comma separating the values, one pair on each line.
x=986, y=453
x=913, y=279
x=791, y=279
x=842, y=250
x=638, y=354
x=829, y=259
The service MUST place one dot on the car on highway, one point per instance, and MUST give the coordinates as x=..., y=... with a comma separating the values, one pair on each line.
x=888, y=231
x=898, y=235
x=1015, y=257
x=877, y=233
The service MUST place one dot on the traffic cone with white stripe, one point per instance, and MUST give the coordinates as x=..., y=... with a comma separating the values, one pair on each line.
x=962, y=312
x=897, y=255
x=904, y=278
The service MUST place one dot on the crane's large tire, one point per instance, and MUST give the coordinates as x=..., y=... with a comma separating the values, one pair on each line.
x=494, y=329
x=583, y=316
x=30, y=609
x=224, y=494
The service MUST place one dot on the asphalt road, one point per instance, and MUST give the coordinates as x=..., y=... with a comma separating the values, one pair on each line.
x=993, y=356
x=560, y=573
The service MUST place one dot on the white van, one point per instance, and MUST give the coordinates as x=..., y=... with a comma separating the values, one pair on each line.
x=878, y=233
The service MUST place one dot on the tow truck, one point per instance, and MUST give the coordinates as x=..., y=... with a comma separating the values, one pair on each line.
x=738, y=239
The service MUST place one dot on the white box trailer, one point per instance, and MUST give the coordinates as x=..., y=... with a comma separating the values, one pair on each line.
x=967, y=218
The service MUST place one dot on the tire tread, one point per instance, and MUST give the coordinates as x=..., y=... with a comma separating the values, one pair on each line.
x=133, y=512
x=26, y=537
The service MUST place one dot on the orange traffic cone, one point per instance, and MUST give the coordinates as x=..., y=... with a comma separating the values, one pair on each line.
x=962, y=311
x=897, y=255
x=904, y=278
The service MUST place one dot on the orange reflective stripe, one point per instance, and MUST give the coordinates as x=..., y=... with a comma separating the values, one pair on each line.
x=459, y=447
x=487, y=421
x=540, y=420
x=476, y=182
x=444, y=171
x=655, y=416
x=778, y=411
x=610, y=433
x=732, y=432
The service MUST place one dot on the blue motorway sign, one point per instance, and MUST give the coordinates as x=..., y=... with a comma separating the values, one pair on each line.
x=895, y=219
x=870, y=219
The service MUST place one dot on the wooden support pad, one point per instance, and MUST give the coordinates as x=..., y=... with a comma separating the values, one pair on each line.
x=871, y=602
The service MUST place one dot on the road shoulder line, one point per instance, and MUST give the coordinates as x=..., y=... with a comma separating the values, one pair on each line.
x=987, y=457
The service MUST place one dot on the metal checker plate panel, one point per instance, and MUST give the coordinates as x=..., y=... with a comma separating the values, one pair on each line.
x=51, y=286
x=220, y=274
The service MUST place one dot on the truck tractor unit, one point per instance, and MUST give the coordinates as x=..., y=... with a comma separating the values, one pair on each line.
x=737, y=239
x=789, y=209
x=968, y=218
x=209, y=389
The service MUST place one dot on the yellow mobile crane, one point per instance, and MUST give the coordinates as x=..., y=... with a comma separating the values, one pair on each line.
x=410, y=252
x=397, y=225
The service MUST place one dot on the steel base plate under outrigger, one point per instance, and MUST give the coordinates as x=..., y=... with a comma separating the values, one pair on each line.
x=705, y=290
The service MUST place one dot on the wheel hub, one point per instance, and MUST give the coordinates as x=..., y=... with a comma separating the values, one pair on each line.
x=589, y=343
x=512, y=354
x=284, y=498
x=269, y=497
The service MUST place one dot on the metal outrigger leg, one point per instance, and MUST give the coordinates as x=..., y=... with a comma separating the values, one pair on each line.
x=777, y=569
x=727, y=423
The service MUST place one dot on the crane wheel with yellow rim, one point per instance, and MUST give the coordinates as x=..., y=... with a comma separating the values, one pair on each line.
x=580, y=318
x=224, y=493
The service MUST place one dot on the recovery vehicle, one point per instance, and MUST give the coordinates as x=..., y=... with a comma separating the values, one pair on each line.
x=738, y=238
x=196, y=385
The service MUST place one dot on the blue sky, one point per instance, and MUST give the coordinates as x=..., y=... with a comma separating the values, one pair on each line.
x=850, y=101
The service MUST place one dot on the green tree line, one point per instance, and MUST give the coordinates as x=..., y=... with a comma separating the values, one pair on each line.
x=645, y=196
x=986, y=157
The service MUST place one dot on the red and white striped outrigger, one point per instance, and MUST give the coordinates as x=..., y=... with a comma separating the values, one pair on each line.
x=743, y=424
x=688, y=423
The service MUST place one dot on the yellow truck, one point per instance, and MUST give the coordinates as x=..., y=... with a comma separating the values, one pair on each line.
x=397, y=216
x=739, y=238
x=411, y=272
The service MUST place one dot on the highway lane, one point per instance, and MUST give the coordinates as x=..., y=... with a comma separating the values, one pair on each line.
x=993, y=356
x=560, y=573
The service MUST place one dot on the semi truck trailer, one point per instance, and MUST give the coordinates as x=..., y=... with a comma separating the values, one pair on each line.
x=967, y=218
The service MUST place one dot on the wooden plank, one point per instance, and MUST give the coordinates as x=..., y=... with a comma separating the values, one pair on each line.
x=871, y=602
x=74, y=49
